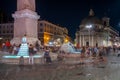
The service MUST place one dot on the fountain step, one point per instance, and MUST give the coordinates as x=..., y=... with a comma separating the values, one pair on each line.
x=13, y=59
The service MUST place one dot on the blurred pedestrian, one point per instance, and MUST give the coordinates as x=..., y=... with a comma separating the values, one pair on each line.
x=7, y=44
x=21, y=63
x=31, y=53
x=3, y=46
x=47, y=57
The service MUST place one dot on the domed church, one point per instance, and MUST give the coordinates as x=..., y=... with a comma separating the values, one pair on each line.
x=96, y=32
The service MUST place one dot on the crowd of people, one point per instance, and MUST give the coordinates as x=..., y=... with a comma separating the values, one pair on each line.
x=32, y=50
x=6, y=46
x=13, y=49
x=85, y=52
x=98, y=53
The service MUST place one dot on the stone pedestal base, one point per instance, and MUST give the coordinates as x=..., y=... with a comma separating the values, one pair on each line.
x=30, y=40
x=25, y=23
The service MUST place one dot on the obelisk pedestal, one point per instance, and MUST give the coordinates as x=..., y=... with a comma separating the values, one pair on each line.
x=25, y=22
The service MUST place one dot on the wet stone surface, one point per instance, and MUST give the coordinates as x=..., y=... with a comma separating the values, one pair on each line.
x=60, y=71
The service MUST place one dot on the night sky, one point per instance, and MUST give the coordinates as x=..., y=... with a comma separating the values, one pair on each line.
x=69, y=13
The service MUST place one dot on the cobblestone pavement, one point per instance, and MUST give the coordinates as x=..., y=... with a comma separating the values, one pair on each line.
x=109, y=70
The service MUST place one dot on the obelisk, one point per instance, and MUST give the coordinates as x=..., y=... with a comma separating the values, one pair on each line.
x=25, y=22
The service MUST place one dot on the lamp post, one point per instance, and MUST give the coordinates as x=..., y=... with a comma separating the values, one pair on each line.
x=89, y=27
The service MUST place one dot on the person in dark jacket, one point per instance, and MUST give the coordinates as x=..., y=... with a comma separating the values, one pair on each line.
x=47, y=56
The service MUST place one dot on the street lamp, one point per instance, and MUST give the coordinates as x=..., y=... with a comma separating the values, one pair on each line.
x=89, y=27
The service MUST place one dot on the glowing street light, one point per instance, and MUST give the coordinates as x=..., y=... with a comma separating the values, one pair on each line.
x=88, y=26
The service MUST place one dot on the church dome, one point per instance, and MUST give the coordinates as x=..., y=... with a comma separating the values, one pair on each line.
x=91, y=19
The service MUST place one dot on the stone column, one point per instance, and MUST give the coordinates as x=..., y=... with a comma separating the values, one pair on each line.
x=80, y=41
x=83, y=41
x=89, y=38
x=92, y=41
x=26, y=4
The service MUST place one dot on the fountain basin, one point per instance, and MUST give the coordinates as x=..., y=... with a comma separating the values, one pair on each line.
x=14, y=59
x=15, y=56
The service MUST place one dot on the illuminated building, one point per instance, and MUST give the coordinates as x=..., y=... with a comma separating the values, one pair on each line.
x=96, y=32
x=48, y=33
x=51, y=34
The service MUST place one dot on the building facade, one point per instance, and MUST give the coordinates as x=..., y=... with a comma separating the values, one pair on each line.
x=6, y=31
x=96, y=32
x=48, y=33
x=51, y=34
